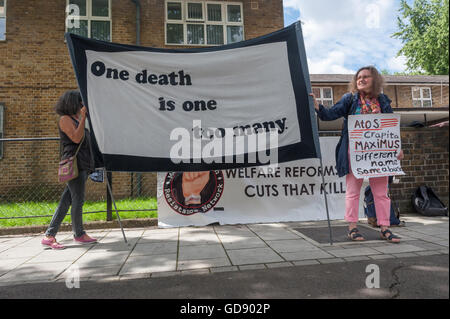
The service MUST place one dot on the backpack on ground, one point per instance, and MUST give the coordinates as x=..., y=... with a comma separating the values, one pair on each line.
x=427, y=203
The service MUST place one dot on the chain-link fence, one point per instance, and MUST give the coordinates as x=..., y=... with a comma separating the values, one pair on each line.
x=30, y=191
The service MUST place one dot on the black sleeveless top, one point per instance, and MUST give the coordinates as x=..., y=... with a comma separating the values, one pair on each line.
x=68, y=149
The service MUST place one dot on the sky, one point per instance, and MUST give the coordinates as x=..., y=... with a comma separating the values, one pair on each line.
x=343, y=35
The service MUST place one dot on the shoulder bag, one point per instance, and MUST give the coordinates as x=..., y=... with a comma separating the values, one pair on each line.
x=68, y=168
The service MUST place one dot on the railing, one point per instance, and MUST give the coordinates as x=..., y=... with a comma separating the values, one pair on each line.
x=29, y=186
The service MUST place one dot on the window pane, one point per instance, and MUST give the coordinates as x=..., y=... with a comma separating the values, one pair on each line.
x=100, y=8
x=426, y=94
x=82, y=30
x=2, y=7
x=195, y=11
x=175, y=33
x=81, y=4
x=215, y=34
x=416, y=93
x=427, y=103
x=100, y=30
x=316, y=92
x=2, y=28
x=417, y=103
x=327, y=93
x=234, y=13
x=173, y=11
x=195, y=34
x=234, y=34
x=327, y=103
x=214, y=12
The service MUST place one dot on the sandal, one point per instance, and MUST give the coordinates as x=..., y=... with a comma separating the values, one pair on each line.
x=354, y=235
x=389, y=237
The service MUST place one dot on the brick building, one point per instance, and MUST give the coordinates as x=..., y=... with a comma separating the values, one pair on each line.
x=35, y=69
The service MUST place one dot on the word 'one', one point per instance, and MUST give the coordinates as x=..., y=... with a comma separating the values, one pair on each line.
x=99, y=68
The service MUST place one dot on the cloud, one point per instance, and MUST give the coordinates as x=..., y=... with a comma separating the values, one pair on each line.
x=332, y=63
x=397, y=64
x=341, y=36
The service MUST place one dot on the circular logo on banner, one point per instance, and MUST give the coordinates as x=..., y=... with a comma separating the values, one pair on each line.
x=188, y=193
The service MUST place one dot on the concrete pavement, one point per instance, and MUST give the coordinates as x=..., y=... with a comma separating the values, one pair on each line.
x=153, y=252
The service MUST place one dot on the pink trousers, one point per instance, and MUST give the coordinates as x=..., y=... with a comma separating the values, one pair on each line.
x=378, y=185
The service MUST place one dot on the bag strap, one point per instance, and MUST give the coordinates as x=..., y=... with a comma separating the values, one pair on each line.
x=79, y=145
x=82, y=139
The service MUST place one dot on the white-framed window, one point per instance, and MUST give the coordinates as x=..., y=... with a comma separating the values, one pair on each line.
x=324, y=95
x=193, y=22
x=421, y=96
x=89, y=18
x=2, y=110
x=2, y=20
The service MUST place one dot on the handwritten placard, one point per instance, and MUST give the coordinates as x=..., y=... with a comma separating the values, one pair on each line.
x=374, y=145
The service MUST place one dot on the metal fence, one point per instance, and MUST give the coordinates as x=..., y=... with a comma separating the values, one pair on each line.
x=29, y=186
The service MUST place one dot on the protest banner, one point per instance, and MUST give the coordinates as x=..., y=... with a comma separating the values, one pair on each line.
x=197, y=109
x=375, y=142
x=290, y=192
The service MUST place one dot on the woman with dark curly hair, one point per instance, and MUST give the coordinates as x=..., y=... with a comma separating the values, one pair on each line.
x=366, y=97
x=72, y=132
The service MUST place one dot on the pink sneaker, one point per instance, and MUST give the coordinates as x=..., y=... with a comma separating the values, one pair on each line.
x=85, y=239
x=52, y=243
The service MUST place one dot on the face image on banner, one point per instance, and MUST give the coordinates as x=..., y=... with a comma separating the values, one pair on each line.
x=189, y=193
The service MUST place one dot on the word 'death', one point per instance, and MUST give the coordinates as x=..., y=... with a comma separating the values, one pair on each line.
x=374, y=145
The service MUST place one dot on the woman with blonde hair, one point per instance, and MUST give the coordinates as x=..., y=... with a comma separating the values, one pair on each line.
x=366, y=97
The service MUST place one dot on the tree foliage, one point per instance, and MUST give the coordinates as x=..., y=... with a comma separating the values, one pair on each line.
x=424, y=30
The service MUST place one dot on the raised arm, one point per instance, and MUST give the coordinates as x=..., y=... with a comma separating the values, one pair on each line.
x=338, y=110
x=67, y=126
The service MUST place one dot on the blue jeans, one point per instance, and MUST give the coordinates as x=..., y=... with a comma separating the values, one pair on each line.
x=73, y=195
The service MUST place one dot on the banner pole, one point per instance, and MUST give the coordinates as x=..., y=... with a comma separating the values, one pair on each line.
x=326, y=200
x=115, y=207
x=314, y=120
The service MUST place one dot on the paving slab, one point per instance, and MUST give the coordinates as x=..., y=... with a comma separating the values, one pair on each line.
x=149, y=264
x=89, y=272
x=237, y=230
x=331, y=260
x=279, y=265
x=306, y=262
x=238, y=242
x=201, y=252
x=203, y=263
x=253, y=256
x=159, y=248
x=252, y=267
x=270, y=233
x=35, y=272
x=101, y=259
x=50, y=255
x=397, y=248
x=291, y=245
x=354, y=252
x=381, y=256
x=224, y=269
x=206, y=238
x=7, y=265
x=112, y=247
x=308, y=254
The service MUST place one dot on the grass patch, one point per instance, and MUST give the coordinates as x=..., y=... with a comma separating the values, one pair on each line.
x=48, y=208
